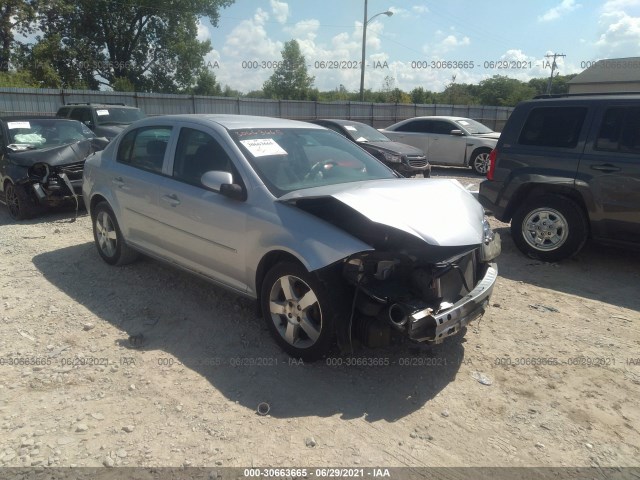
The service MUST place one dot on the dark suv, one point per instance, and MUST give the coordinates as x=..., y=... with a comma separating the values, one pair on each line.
x=567, y=168
x=105, y=119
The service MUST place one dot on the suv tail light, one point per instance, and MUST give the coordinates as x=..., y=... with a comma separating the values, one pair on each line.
x=492, y=163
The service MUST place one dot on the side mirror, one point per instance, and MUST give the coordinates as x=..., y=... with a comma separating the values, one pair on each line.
x=233, y=191
x=222, y=182
x=459, y=133
x=214, y=179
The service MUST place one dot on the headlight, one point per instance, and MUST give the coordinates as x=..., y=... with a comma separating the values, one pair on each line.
x=487, y=234
x=391, y=157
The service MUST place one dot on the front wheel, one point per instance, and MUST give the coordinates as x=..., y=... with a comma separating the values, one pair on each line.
x=19, y=204
x=549, y=227
x=480, y=161
x=298, y=311
x=108, y=237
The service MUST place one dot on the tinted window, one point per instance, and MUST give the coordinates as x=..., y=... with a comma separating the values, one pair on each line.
x=63, y=112
x=553, y=127
x=442, y=127
x=419, y=126
x=144, y=148
x=80, y=114
x=197, y=152
x=620, y=130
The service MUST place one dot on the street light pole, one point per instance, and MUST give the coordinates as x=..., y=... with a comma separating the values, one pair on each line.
x=365, y=22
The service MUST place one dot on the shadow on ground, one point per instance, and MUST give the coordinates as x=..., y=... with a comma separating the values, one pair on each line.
x=217, y=334
x=606, y=274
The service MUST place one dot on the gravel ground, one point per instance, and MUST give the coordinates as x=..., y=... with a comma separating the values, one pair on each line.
x=147, y=366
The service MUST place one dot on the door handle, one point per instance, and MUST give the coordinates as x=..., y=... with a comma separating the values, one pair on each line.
x=172, y=199
x=606, y=168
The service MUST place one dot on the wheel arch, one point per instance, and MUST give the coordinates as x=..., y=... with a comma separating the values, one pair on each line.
x=267, y=262
x=529, y=191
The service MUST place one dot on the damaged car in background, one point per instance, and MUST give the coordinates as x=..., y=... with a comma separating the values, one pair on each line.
x=41, y=162
x=328, y=240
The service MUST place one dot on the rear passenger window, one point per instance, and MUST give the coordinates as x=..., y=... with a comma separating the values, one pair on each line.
x=553, y=127
x=620, y=130
x=144, y=148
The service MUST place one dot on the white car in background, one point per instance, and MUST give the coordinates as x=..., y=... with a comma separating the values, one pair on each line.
x=455, y=141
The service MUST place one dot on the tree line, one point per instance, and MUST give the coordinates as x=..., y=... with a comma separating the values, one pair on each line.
x=153, y=46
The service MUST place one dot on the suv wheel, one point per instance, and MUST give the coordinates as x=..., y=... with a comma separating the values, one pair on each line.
x=480, y=161
x=549, y=227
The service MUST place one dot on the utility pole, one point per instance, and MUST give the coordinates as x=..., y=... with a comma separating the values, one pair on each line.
x=553, y=68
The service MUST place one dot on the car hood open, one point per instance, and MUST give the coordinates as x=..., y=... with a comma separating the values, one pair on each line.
x=438, y=212
x=60, y=155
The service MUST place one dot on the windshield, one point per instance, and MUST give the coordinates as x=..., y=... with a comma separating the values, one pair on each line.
x=471, y=126
x=296, y=158
x=115, y=115
x=32, y=134
x=360, y=132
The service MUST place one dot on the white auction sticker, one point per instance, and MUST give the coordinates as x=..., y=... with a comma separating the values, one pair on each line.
x=12, y=125
x=262, y=147
x=102, y=112
x=351, y=128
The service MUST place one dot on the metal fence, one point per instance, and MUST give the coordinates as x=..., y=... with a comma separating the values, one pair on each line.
x=20, y=101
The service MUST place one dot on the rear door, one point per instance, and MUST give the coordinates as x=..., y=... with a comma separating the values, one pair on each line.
x=611, y=169
x=135, y=176
x=416, y=132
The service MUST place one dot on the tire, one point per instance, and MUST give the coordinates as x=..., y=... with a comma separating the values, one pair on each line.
x=298, y=311
x=20, y=205
x=549, y=227
x=108, y=237
x=480, y=161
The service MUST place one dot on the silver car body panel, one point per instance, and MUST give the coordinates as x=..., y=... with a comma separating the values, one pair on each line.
x=404, y=204
x=197, y=229
x=443, y=149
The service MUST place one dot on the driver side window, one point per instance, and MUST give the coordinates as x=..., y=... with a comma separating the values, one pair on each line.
x=196, y=153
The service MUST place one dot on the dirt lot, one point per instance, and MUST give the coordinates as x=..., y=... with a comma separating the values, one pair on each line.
x=148, y=366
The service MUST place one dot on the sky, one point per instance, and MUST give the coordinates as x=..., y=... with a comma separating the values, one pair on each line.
x=425, y=44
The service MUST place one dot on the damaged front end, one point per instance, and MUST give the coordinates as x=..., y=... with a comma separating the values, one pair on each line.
x=423, y=301
x=432, y=266
x=52, y=175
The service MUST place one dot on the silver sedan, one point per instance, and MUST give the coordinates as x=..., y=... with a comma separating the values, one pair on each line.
x=332, y=244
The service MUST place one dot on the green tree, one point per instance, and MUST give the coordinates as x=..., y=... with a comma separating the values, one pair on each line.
x=290, y=81
x=151, y=43
x=558, y=86
x=20, y=79
x=16, y=16
x=206, y=84
x=503, y=91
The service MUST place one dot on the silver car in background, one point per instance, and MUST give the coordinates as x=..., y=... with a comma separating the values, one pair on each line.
x=328, y=240
x=455, y=141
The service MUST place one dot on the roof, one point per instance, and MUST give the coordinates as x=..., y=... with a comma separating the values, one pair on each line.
x=231, y=122
x=338, y=121
x=614, y=70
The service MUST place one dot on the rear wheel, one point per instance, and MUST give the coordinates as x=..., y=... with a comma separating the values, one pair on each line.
x=108, y=237
x=298, y=311
x=19, y=203
x=549, y=227
x=480, y=161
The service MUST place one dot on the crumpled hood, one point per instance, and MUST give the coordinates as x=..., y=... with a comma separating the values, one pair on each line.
x=393, y=147
x=57, y=156
x=440, y=212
